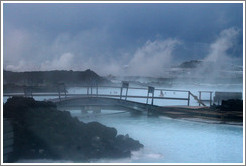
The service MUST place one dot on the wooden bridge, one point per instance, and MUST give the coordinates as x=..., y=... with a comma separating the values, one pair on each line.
x=93, y=91
x=95, y=100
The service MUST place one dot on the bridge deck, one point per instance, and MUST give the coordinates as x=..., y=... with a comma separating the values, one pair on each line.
x=115, y=101
x=202, y=113
x=199, y=112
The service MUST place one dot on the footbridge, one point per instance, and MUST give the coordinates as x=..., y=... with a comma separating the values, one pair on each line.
x=96, y=104
x=99, y=95
x=135, y=99
x=124, y=97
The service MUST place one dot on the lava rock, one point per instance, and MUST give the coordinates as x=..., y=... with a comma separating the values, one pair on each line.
x=42, y=131
x=232, y=105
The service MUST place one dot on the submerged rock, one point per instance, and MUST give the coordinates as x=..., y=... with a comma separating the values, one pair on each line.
x=42, y=131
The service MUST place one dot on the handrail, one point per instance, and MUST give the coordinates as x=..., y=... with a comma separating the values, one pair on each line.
x=196, y=98
x=102, y=94
x=98, y=95
x=200, y=96
x=206, y=91
x=86, y=86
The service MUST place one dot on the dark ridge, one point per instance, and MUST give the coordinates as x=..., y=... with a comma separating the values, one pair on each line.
x=16, y=80
x=190, y=64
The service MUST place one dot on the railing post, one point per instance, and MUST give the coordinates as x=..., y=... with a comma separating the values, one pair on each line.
x=97, y=90
x=59, y=93
x=210, y=98
x=150, y=90
x=188, y=98
x=87, y=90
x=65, y=90
x=152, y=102
x=200, y=97
x=126, y=92
x=28, y=91
x=124, y=85
x=147, y=98
x=121, y=92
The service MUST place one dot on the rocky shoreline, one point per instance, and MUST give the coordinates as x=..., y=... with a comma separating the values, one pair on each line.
x=43, y=132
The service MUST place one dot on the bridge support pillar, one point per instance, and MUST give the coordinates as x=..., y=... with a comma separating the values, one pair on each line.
x=97, y=110
x=150, y=90
x=83, y=110
x=28, y=91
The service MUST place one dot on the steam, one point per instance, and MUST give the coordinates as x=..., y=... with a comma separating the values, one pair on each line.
x=218, y=60
x=218, y=49
x=91, y=49
x=64, y=62
x=21, y=65
x=152, y=59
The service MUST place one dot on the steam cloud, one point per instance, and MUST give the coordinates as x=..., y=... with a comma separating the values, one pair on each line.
x=153, y=58
x=26, y=51
x=218, y=59
x=64, y=62
x=218, y=49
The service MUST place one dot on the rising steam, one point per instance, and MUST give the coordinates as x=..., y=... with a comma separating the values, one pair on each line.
x=218, y=62
x=153, y=58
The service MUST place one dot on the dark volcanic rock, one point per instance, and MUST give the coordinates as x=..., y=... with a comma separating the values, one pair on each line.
x=232, y=105
x=42, y=131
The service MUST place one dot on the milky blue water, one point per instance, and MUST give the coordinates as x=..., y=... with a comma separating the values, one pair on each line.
x=169, y=140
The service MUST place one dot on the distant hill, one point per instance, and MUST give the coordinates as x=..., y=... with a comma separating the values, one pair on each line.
x=47, y=78
x=190, y=64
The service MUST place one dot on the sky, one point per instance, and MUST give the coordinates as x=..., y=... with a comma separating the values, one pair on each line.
x=120, y=39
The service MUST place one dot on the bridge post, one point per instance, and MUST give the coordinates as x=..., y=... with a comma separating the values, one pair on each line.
x=126, y=92
x=152, y=102
x=147, y=98
x=97, y=89
x=200, y=97
x=124, y=85
x=59, y=94
x=188, y=98
x=61, y=88
x=59, y=91
x=28, y=91
x=210, y=100
x=83, y=110
x=150, y=90
x=97, y=110
x=120, y=93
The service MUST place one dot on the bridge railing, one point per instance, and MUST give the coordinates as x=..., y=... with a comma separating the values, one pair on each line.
x=120, y=92
x=131, y=92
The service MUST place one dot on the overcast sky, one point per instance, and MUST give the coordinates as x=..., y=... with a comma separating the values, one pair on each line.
x=119, y=39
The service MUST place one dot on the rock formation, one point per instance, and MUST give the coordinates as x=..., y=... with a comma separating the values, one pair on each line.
x=42, y=131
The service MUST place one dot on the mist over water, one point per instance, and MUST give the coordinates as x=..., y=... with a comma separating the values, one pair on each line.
x=168, y=140
x=191, y=47
x=175, y=141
